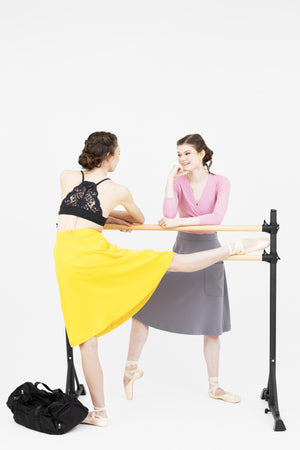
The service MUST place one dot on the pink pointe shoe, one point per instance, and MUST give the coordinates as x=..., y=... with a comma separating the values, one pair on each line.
x=245, y=246
x=133, y=375
x=227, y=397
x=96, y=419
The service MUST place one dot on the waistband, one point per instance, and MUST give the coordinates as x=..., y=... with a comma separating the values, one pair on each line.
x=78, y=233
x=197, y=236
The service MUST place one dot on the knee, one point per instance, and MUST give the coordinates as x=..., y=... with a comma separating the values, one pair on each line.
x=211, y=338
x=89, y=346
x=175, y=265
x=139, y=326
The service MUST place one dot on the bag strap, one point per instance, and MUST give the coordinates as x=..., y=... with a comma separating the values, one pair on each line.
x=47, y=387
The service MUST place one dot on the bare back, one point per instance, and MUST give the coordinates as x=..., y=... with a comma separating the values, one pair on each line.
x=110, y=195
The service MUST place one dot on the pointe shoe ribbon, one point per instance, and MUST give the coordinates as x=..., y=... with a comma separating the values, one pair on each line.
x=133, y=375
x=244, y=246
x=94, y=419
x=227, y=397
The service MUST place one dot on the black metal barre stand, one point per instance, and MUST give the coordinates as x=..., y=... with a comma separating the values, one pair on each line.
x=269, y=393
x=72, y=375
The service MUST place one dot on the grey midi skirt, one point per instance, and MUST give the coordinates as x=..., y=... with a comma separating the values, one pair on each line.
x=190, y=303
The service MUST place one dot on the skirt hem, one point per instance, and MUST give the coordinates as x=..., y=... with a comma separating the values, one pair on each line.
x=188, y=333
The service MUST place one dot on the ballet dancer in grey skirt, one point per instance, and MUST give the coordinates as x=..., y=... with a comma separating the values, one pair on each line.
x=189, y=303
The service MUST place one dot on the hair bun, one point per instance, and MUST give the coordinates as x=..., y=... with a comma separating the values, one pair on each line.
x=97, y=147
x=207, y=160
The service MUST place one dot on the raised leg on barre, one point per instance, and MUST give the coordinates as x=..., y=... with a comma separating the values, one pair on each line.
x=200, y=260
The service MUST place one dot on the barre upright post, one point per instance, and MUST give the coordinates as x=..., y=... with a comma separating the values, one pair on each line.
x=72, y=375
x=270, y=392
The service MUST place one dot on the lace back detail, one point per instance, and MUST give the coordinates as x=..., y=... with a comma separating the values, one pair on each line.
x=84, y=196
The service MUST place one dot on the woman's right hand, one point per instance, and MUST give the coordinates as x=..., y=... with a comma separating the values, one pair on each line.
x=176, y=171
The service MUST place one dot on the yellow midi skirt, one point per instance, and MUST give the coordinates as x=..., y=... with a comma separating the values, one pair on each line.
x=101, y=286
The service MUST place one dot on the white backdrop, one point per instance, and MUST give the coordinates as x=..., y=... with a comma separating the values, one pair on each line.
x=152, y=72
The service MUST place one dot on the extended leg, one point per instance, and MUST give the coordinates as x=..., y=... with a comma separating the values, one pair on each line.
x=200, y=260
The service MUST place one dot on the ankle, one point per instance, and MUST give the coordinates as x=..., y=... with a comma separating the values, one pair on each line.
x=213, y=383
x=99, y=408
x=131, y=365
x=131, y=362
x=100, y=411
x=235, y=247
x=213, y=379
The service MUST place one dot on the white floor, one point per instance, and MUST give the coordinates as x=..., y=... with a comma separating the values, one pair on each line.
x=152, y=422
x=168, y=415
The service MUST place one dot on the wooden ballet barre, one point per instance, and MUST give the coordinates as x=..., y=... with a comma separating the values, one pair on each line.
x=148, y=227
x=112, y=226
x=246, y=257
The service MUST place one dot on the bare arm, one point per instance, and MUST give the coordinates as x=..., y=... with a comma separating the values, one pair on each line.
x=124, y=215
x=132, y=209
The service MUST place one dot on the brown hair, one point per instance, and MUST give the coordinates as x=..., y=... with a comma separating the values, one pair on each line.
x=98, y=147
x=198, y=143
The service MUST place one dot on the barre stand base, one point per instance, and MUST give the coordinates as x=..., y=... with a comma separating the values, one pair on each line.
x=269, y=394
x=272, y=399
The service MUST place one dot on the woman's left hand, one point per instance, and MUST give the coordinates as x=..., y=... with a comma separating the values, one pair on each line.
x=165, y=222
x=114, y=220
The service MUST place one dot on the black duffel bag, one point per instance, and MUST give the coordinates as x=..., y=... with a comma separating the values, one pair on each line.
x=51, y=412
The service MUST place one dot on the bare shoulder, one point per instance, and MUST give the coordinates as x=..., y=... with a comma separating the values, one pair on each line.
x=69, y=179
x=119, y=190
x=70, y=174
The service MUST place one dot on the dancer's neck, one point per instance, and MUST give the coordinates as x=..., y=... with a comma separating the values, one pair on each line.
x=198, y=175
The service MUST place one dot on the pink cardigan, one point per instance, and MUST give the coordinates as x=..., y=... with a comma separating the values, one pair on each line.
x=211, y=207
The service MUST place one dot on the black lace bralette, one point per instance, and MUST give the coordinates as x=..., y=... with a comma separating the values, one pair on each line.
x=83, y=202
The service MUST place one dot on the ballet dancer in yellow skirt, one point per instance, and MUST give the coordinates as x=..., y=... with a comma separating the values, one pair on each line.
x=101, y=286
